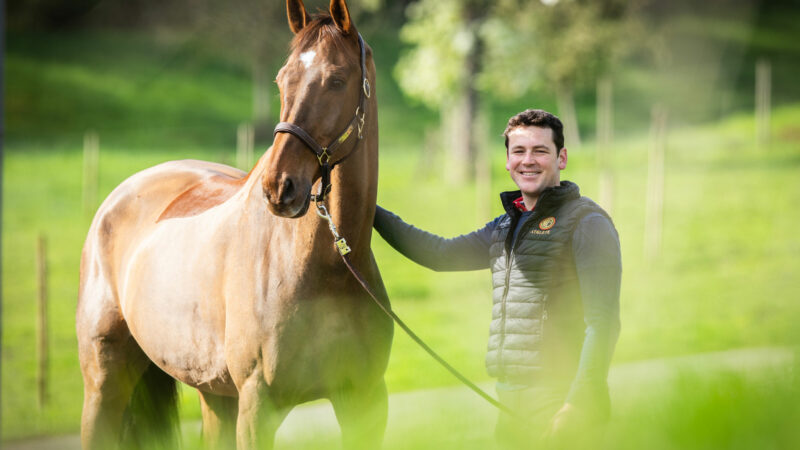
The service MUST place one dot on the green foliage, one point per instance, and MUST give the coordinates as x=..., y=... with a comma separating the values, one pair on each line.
x=569, y=42
x=527, y=45
x=433, y=70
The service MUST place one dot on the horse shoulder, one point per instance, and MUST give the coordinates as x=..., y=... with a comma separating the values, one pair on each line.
x=205, y=194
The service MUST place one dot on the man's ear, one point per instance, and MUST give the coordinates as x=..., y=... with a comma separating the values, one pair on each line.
x=297, y=15
x=341, y=15
x=562, y=159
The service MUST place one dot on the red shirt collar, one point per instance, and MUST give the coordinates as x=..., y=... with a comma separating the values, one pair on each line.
x=520, y=204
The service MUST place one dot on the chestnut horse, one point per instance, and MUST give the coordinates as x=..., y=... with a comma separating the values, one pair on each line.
x=198, y=272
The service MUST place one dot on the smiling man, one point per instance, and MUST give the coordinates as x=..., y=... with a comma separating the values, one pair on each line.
x=555, y=262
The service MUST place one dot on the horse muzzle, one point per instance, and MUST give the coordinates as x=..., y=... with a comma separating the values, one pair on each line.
x=286, y=197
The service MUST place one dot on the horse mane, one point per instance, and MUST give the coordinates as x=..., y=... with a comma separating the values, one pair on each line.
x=322, y=29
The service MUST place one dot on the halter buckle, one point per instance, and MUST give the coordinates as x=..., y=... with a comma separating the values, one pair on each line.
x=367, y=88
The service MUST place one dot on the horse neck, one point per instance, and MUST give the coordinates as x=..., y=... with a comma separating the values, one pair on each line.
x=353, y=193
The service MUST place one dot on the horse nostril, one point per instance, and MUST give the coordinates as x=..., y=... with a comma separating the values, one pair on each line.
x=287, y=190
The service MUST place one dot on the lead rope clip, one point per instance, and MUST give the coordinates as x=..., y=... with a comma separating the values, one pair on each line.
x=338, y=241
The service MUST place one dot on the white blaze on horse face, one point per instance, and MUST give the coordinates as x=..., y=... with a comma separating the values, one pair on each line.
x=308, y=58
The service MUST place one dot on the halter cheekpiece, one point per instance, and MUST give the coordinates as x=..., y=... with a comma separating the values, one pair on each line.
x=324, y=154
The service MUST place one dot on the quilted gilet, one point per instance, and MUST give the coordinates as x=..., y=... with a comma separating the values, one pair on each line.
x=537, y=326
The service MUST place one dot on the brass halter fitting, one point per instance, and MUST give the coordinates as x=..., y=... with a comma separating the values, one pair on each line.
x=324, y=157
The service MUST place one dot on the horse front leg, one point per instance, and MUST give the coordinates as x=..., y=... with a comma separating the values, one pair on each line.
x=259, y=418
x=361, y=413
x=219, y=420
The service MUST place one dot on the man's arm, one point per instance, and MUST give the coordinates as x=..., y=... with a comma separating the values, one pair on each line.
x=599, y=267
x=465, y=252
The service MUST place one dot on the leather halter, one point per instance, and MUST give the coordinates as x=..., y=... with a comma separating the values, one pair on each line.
x=324, y=154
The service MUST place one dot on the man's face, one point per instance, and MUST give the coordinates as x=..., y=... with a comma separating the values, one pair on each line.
x=534, y=161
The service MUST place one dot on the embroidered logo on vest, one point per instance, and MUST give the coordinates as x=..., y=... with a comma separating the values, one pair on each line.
x=547, y=223
x=544, y=226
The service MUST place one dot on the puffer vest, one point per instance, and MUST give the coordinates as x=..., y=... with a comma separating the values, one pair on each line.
x=537, y=327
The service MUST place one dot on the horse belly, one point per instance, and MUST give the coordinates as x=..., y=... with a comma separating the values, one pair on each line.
x=173, y=304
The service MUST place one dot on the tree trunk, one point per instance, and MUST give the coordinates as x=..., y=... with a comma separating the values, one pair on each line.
x=605, y=127
x=483, y=169
x=566, y=109
x=456, y=133
x=462, y=145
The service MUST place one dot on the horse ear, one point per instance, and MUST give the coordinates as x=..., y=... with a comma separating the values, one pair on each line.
x=296, y=13
x=341, y=15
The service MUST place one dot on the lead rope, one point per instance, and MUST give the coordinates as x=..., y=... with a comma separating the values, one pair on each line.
x=344, y=249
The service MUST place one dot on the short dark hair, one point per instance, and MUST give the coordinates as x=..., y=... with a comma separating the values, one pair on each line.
x=537, y=118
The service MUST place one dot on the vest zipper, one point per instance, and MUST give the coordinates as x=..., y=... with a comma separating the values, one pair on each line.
x=544, y=319
x=500, y=362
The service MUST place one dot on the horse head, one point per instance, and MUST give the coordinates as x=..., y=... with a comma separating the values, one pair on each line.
x=322, y=87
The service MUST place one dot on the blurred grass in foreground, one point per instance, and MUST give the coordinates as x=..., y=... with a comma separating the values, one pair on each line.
x=693, y=408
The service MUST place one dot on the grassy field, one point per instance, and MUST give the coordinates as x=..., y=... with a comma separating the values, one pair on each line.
x=726, y=278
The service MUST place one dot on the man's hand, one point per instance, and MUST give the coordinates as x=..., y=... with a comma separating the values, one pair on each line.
x=565, y=422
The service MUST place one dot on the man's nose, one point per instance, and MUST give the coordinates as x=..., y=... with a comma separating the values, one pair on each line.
x=529, y=158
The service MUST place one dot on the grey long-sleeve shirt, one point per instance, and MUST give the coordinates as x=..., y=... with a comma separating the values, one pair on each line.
x=595, y=247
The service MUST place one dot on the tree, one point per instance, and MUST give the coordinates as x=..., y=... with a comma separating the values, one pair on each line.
x=442, y=70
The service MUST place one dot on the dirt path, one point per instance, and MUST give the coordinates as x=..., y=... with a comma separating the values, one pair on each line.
x=414, y=413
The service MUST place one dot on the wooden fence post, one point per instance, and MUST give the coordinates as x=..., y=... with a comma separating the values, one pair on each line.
x=91, y=155
x=654, y=208
x=245, y=141
x=41, y=272
x=763, y=102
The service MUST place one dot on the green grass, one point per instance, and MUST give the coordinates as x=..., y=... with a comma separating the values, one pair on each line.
x=701, y=411
x=726, y=277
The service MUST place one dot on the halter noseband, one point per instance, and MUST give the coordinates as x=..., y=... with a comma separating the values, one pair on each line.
x=324, y=154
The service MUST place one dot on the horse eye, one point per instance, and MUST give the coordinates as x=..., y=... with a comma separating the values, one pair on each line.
x=336, y=83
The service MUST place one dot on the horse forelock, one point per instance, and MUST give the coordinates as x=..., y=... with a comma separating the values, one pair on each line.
x=323, y=30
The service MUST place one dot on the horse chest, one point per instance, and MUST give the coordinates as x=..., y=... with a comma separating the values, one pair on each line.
x=327, y=338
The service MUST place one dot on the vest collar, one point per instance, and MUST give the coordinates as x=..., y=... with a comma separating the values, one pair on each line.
x=550, y=198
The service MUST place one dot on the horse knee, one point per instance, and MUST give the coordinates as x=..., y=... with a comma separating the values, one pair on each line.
x=259, y=418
